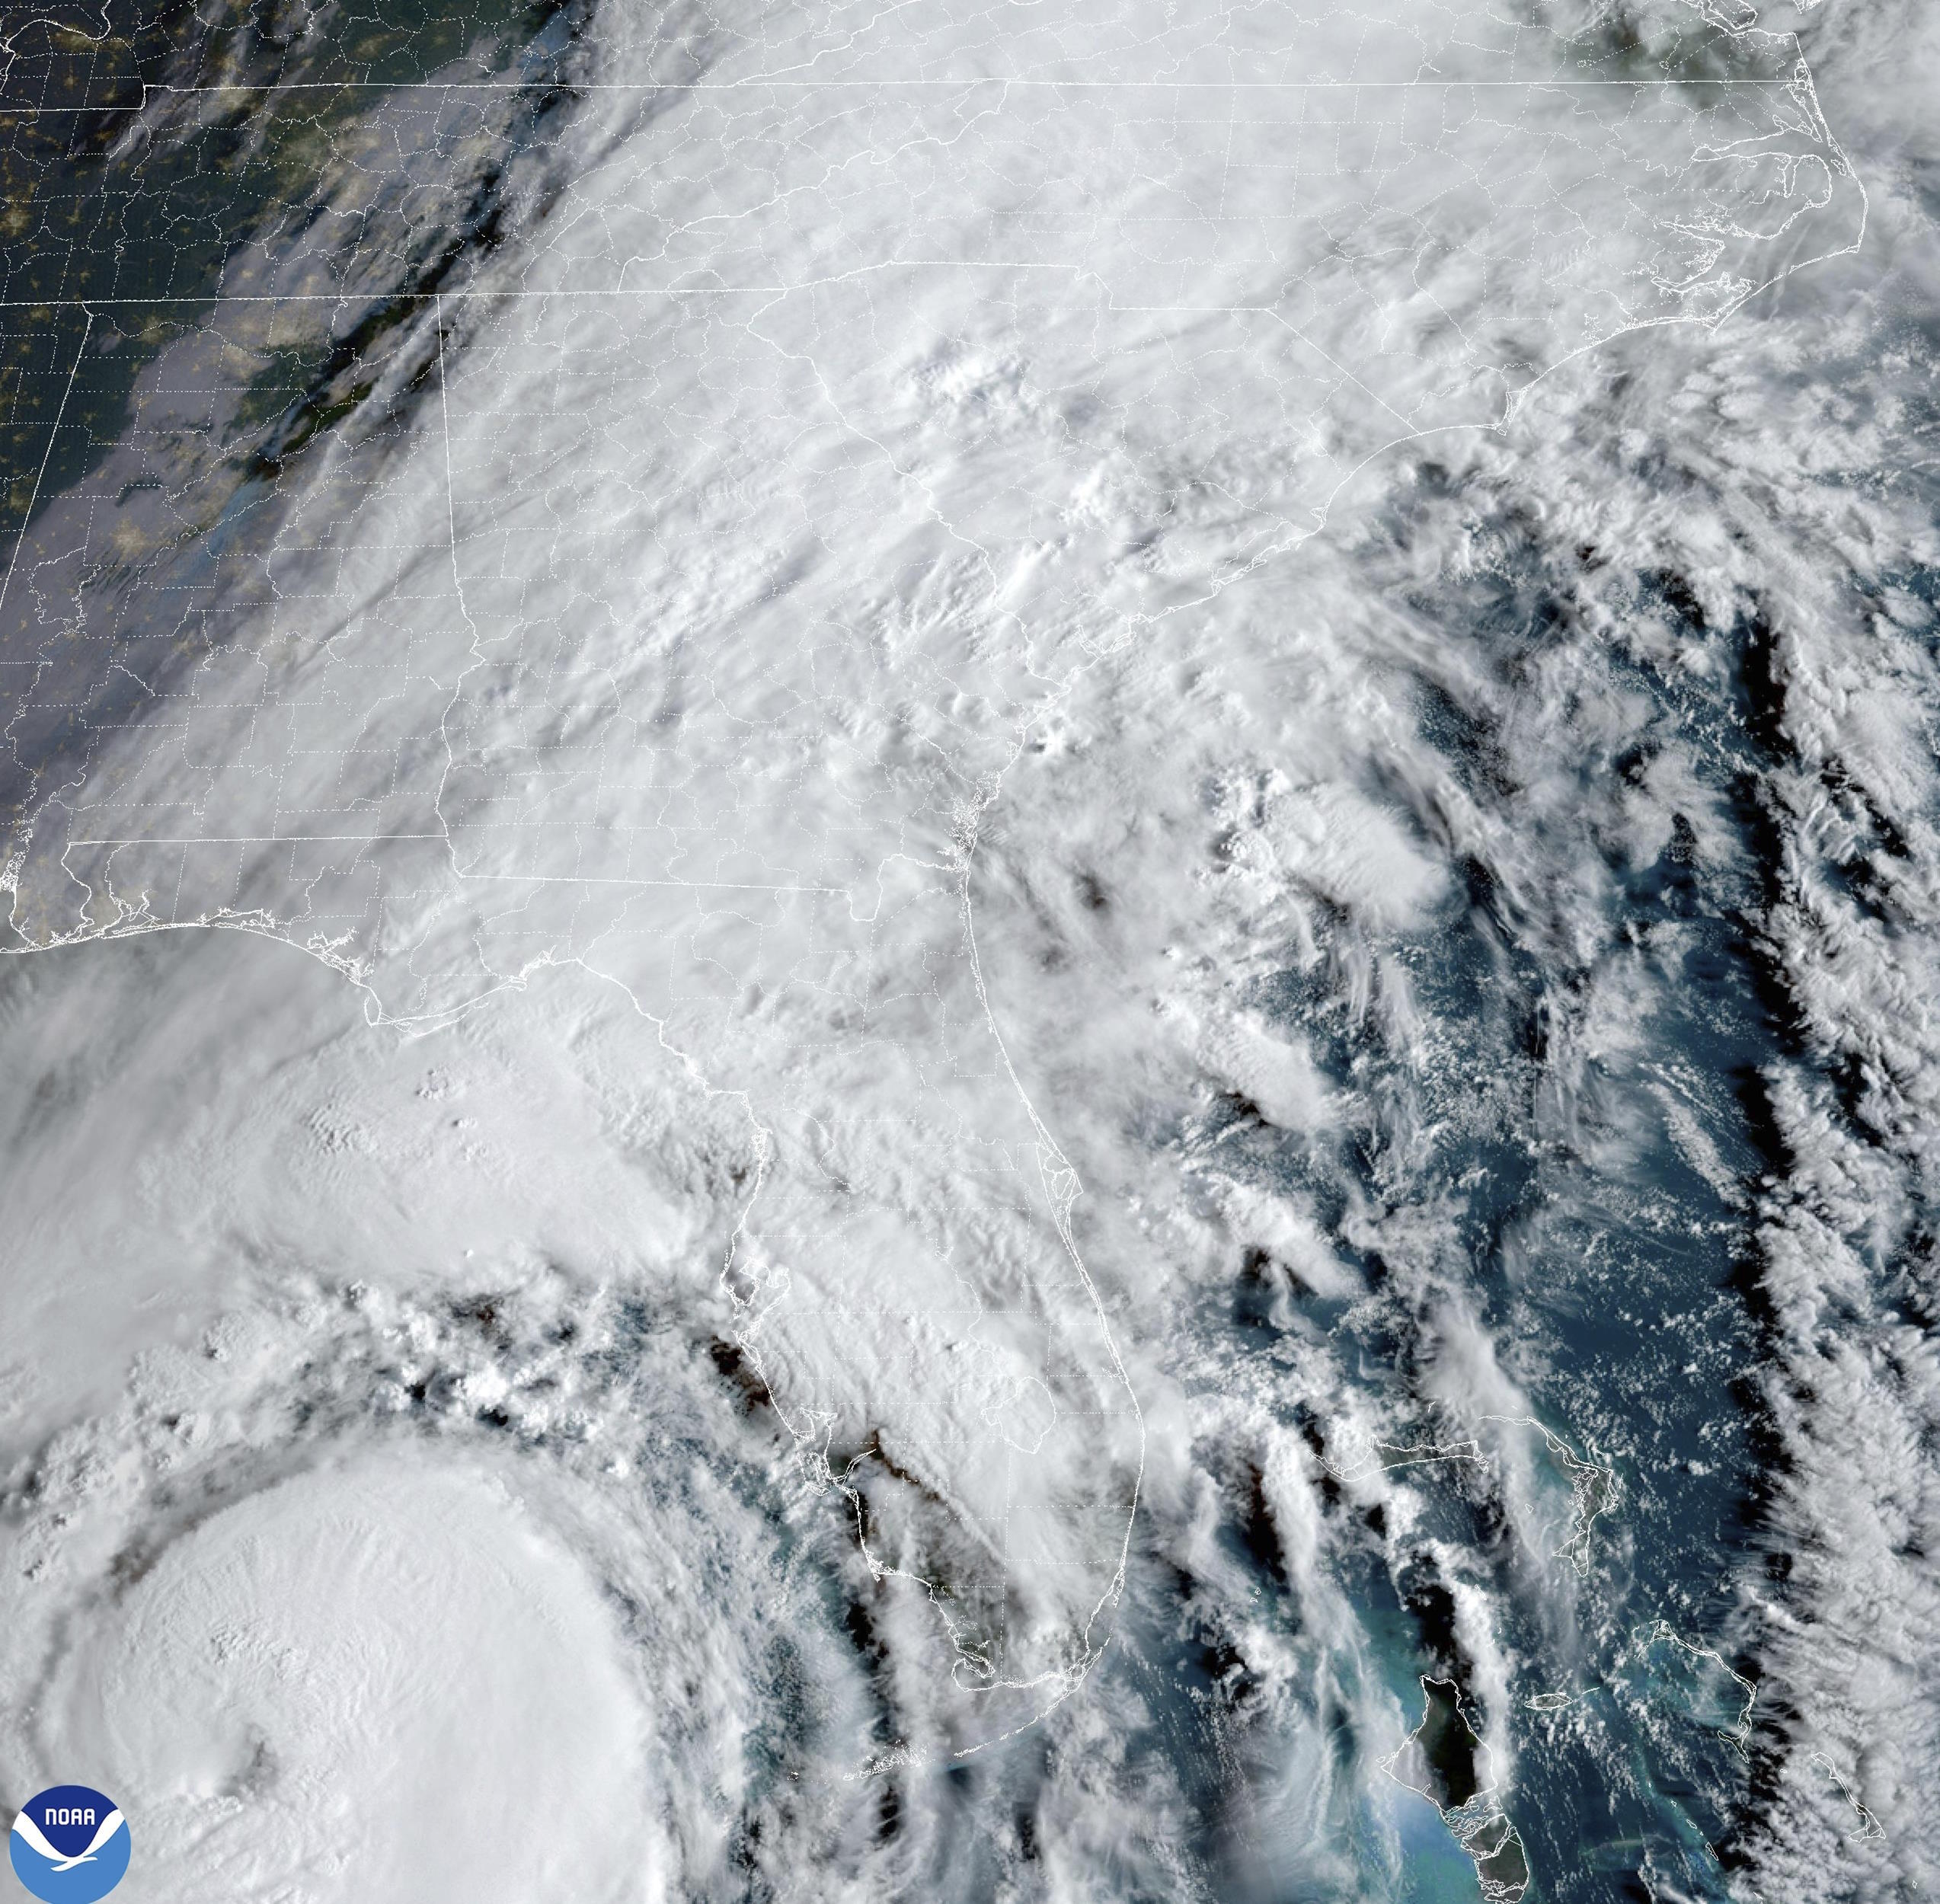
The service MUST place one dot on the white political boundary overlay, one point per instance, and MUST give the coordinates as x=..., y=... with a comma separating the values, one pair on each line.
x=1472, y=1823
x=1059, y=1178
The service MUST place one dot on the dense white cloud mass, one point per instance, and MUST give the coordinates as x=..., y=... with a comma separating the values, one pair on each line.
x=1076, y=1041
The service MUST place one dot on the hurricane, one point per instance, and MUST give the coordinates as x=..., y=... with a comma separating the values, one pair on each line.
x=983, y=952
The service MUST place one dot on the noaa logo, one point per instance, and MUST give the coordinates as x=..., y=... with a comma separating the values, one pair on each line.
x=69, y=1845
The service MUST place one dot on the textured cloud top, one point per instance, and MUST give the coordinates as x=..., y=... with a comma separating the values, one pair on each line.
x=1072, y=1035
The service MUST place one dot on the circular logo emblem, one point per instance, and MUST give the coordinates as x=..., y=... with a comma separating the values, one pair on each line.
x=69, y=1845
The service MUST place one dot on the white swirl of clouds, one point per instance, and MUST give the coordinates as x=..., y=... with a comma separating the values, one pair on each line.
x=953, y=752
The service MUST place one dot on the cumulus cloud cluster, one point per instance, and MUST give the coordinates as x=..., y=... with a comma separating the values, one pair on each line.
x=1116, y=878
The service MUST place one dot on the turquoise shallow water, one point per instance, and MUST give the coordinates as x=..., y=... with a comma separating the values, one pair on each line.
x=1602, y=1191
x=1611, y=1158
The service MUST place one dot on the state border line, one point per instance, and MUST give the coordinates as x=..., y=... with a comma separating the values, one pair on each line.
x=1007, y=81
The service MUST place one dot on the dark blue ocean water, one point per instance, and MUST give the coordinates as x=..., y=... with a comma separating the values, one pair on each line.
x=1585, y=1111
